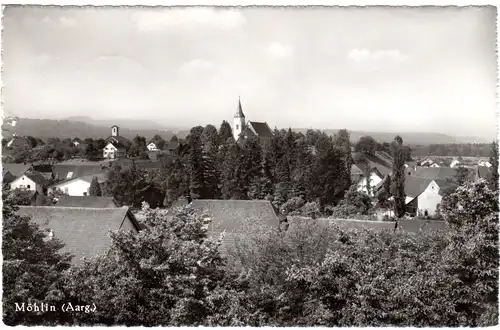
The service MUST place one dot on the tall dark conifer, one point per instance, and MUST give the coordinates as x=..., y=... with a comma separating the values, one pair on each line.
x=494, y=166
x=195, y=160
x=398, y=177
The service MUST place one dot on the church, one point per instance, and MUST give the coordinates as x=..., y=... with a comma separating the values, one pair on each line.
x=243, y=129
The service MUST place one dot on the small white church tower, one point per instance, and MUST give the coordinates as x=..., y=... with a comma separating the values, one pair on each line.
x=115, y=130
x=239, y=122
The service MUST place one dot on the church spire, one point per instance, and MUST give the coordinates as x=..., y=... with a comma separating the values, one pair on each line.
x=239, y=112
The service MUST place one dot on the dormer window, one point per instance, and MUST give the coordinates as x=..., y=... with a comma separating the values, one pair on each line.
x=237, y=126
x=70, y=174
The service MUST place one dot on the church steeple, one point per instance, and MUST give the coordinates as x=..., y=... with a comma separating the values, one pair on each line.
x=239, y=112
x=239, y=122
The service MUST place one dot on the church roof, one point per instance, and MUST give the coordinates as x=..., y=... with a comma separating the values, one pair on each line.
x=261, y=129
x=239, y=112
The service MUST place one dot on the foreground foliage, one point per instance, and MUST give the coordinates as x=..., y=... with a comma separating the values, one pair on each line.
x=312, y=274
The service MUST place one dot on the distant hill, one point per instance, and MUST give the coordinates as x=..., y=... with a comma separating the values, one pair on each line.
x=45, y=128
x=133, y=124
x=408, y=138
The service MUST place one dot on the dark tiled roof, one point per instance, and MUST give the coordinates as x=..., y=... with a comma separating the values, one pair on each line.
x=84, y=231
x=16, y=169
x=118, y=141
x=414, y=186
x=484, y=172
x=7, y=177
x=262, y=129
x=87, y=201
x=78, y=170
x=37, y=178
x=101, y=178
x=234, y=217
x=439, y=173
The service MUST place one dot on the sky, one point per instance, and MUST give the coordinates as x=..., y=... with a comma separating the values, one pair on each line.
x=421, y=69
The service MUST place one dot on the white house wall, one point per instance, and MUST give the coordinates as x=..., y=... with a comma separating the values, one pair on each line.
x=374, y=180
x=22, y=183
x=73, y=187
x=429, y=199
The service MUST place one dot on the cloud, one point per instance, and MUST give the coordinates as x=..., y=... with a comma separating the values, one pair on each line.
x=278, y=50
x=223, y=19
x=365, y=55
x=195, y=66
x=69, y=22
x=63, y=20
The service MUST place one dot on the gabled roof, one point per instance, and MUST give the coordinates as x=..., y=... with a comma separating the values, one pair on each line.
x=439, y=173
x=37, y=178
x=414, y=186
x=409, y=226
x=235, y=217
x=118, y=140
x=356, y=224
x=62, y=171
x=101, y=178
x=18, y=142
x=84, y=231
x=16, y=169
x=7, y=177
x=87, y=201
x=261, y=129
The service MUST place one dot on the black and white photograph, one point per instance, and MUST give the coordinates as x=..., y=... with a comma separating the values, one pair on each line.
x=257, y=166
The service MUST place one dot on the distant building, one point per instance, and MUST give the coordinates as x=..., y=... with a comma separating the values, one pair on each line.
x=455, y=163
x=243, y=129
x=375, y=179
x=422, y=195
x=116, y=145
x=484, y=164
x=152, y=146
x=76, y=142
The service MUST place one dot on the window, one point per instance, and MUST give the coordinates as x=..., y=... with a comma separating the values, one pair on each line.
x=85, y=194
x=28, y=186
x=70, y=174
x=237, y=126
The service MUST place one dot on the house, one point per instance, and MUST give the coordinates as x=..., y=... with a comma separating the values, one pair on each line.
x=375, y=179
x=422, y=195
x=84, y=231
x=87, y=201
x=434, y=165
x=243, y=129
x=455, y=163
x=33, y=181
x=79, y=186
x=7, y=177
x=76, y=142
x=426, y=162
x=114, y=150
x=152, y=146
x=356, y=173
x=233, y=217
x=18, y=142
